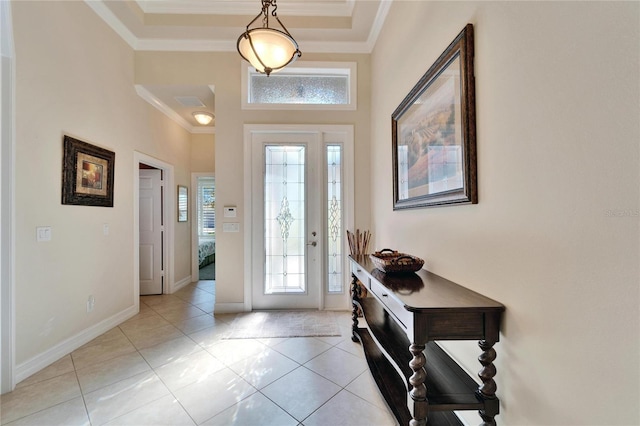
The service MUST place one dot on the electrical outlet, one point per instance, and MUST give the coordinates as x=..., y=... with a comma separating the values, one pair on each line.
x=91, y=302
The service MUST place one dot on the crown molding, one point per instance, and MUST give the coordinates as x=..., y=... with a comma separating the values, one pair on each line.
x=245, y=7
x=175, y=45
x=226, y=46
x=230, y=45
x=378, y=23
x=203, y=130
x=162, y=107
x=107, y=16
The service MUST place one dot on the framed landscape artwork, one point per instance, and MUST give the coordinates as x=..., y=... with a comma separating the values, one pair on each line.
x=434, y=135
x=87, y=174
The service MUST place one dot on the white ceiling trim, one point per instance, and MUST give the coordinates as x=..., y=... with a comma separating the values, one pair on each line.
x=186, y=45
x=245, y=7
x=203, y=130
x=225, y=46
x=378, y=23
x=107, y=16
x=230, y=46
x=162, y=107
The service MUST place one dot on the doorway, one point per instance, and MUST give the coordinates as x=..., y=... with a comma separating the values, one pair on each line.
x=151, y=224
x=168, y=215
x=205, y=224
x=299, y=186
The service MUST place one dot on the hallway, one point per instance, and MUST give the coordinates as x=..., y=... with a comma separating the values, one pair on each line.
x=169, y=365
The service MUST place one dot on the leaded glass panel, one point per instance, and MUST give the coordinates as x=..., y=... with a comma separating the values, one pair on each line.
x=284, y=214
x=335, y=241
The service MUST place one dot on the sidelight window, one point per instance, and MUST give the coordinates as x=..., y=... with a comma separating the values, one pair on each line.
x=335, y=239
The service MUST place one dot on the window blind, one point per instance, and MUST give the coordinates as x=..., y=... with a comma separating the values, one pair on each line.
x=206, y=206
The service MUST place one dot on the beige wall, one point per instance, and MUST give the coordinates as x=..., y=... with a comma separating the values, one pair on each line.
x=223, y=71
x=554, y=237
x=203, y=153
x=557, y=88
x=75, y=76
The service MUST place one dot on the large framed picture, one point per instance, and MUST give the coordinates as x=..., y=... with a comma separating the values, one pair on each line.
x=434, y=133
x=87, y=174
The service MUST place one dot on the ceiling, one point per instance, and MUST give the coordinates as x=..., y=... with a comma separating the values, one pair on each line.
x=319, y=26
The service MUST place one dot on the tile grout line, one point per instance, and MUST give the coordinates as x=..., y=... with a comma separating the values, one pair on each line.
x=84, y=402
x=152, y=369
x=330, y=345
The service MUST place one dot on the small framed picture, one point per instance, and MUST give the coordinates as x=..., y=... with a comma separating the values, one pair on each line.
x=87, y=174
x=183, y=203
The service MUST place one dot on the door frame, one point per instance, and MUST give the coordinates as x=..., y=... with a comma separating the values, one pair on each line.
x=346, y=131
x=195, y=270
x=169, y=214
x=7, y=202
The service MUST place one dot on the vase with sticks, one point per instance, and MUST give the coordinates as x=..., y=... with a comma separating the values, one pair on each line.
x=358, y=242
x=359, y=245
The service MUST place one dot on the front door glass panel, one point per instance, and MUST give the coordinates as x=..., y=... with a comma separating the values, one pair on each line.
x=284, y=219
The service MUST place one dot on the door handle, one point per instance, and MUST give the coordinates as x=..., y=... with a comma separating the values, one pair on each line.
x=312, y=243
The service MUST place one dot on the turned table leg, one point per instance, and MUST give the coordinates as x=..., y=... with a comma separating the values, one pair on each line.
x=487, y=390
x=354, y=312
x=418, y=391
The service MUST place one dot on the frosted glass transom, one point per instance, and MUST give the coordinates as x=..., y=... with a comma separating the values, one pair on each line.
x=299, y=89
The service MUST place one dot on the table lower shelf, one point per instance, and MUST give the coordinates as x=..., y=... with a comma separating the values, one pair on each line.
x=392, y=387
x=449, y=387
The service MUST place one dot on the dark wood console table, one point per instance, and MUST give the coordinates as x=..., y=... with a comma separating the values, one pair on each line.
x=405, y=314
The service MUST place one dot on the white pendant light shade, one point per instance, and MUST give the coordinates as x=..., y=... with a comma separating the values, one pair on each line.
x=267, y=49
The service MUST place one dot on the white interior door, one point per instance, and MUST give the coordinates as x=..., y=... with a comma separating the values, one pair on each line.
x=151, y=229
x=299, y=192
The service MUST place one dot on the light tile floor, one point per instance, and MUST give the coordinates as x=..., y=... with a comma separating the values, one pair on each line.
x=169, y=365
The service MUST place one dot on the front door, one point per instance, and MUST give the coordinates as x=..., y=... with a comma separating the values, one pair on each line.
x=298, y=223
x=151, y=228
x=287, y=217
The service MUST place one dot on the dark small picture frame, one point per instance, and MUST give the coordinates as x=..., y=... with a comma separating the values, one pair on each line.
x=434, y=133
x=87, y=174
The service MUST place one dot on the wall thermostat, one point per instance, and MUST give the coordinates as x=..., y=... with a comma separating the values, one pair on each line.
x=230, y=211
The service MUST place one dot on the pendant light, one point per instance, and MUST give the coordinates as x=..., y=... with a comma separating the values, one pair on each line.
x=268, y=49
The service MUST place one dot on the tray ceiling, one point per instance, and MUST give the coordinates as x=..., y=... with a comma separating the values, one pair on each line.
x=319, y=26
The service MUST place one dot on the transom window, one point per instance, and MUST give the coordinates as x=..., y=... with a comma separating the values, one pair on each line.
x=304, y=85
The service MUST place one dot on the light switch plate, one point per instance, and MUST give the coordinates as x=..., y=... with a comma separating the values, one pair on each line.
x=231, y=227
x=43, y=233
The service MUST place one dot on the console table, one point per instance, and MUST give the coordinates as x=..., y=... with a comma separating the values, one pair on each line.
x=405, y=314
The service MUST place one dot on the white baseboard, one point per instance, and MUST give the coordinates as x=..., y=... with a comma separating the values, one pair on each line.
x=228, y=308
x=178, y=285
x=38, y=362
